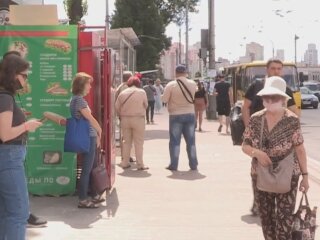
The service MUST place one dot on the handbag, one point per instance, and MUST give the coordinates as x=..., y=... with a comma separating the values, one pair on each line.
x=99, y=175
x=304, y=221
x=77, y=137
x=275, y=179
x=236, y=125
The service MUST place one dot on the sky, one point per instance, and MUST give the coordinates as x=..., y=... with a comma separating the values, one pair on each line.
x=240, y=22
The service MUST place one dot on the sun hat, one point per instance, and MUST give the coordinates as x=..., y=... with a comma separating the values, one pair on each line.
x=274, y=86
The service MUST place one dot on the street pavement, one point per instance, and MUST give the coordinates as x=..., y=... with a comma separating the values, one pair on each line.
x=157, y=204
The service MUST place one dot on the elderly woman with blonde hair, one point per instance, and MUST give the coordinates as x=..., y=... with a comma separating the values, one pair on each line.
x=274, y=140
x=79, y=108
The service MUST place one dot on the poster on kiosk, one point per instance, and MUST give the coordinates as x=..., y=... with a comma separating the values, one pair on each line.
x=52, y=53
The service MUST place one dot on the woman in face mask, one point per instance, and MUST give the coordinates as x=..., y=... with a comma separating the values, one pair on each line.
x=14, y=205
x=274, y=135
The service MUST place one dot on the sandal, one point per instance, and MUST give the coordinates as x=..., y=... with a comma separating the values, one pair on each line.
x=98, y=199
x=87, y=204
x=143, y=168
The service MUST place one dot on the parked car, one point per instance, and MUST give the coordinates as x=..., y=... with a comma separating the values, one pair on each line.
x=314, y=87
x=308, y=99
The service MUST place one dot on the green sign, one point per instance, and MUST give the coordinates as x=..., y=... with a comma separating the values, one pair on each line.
x=52, y=53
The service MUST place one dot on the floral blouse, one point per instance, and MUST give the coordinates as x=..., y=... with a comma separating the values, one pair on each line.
x=279, y=142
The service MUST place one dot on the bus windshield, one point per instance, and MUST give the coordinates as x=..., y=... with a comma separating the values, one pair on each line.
x=259, y=73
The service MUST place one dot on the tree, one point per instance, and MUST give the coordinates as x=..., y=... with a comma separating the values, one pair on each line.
x=173, y=10
x=145, y=19
x=75, y=9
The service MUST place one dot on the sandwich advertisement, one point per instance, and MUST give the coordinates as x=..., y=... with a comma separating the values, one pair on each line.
x=52, y=54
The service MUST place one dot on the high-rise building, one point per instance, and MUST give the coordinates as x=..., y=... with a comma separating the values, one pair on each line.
x=255, y=51
x=311, y=55
x=170, y=59
x=280, y=54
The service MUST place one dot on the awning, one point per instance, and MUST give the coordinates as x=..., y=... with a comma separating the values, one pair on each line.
x=115, y=35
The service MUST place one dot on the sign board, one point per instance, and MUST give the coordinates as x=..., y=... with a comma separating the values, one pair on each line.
x=34, y=15
x=52, y=53
x=212, y=73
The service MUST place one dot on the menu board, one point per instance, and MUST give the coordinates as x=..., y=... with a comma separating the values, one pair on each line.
x=52, y=53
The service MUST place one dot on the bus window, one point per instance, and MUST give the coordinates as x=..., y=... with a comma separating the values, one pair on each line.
x=290, y=75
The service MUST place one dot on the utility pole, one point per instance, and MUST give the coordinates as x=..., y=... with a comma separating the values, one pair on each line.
x=211, y=111
x=180, y=49
x=295, y=48
x=211, y=35
x=107, y=15
x=187, y=34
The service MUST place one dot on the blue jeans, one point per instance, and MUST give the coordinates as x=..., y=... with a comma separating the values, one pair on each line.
x=14, y=200
x=183, y=124
x=87, y=165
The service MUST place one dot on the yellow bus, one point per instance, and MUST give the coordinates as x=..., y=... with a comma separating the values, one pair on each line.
x=242, y=75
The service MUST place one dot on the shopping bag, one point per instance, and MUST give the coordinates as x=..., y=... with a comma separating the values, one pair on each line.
x=77, y=137
x=99, y=175
x=304, y=224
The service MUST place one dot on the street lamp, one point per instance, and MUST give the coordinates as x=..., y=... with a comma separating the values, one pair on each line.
x=295, y=48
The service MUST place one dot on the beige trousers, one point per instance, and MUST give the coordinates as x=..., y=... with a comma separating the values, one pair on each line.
x=133, y=129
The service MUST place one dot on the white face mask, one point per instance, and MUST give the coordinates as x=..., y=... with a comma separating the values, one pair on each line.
x=273, y=107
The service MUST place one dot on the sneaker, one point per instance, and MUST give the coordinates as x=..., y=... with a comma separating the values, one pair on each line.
x=171, y=169
x=35, y=222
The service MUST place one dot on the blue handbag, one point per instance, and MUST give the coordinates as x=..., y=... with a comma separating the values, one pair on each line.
x=77, y=137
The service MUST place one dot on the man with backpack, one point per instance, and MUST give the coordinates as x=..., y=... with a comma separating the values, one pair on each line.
x=179, y=95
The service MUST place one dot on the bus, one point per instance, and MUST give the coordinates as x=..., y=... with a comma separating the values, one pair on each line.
x=242, y=75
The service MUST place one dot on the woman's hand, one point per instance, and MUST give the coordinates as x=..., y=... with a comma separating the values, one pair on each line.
x=98, y=141
x=304, y=184
x=32, y=125
x=263, y=158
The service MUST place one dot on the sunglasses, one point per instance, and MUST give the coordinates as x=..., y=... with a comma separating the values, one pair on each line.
x=24, y=75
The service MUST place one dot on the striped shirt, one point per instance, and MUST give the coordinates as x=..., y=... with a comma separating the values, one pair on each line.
x=78, y=103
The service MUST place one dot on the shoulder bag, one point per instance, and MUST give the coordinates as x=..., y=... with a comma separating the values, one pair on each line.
x=77, y=135
x=191, y=98
x=275, y=179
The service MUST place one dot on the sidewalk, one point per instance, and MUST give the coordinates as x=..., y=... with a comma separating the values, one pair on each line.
x=211, y=204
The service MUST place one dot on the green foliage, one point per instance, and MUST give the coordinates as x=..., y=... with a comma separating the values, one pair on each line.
x=174, y=10
x=145, y=19
x=75, y=9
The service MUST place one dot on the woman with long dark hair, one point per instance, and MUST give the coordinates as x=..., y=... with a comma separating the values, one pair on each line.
x=200, y=103
x=14, y=203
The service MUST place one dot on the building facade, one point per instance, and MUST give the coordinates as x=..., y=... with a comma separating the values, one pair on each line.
x=311, y=55
x=280, y=54
x=255, y=51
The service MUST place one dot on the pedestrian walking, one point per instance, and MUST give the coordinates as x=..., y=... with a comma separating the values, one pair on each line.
x=79, y=108
x=224, y=96
x=253, y=103
x=14, y=202
x=151, y=93
x=200, y=104
x=124, y=85
x=159, y=92
x=272, y=136
x=179, y=95
x=131, y=106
